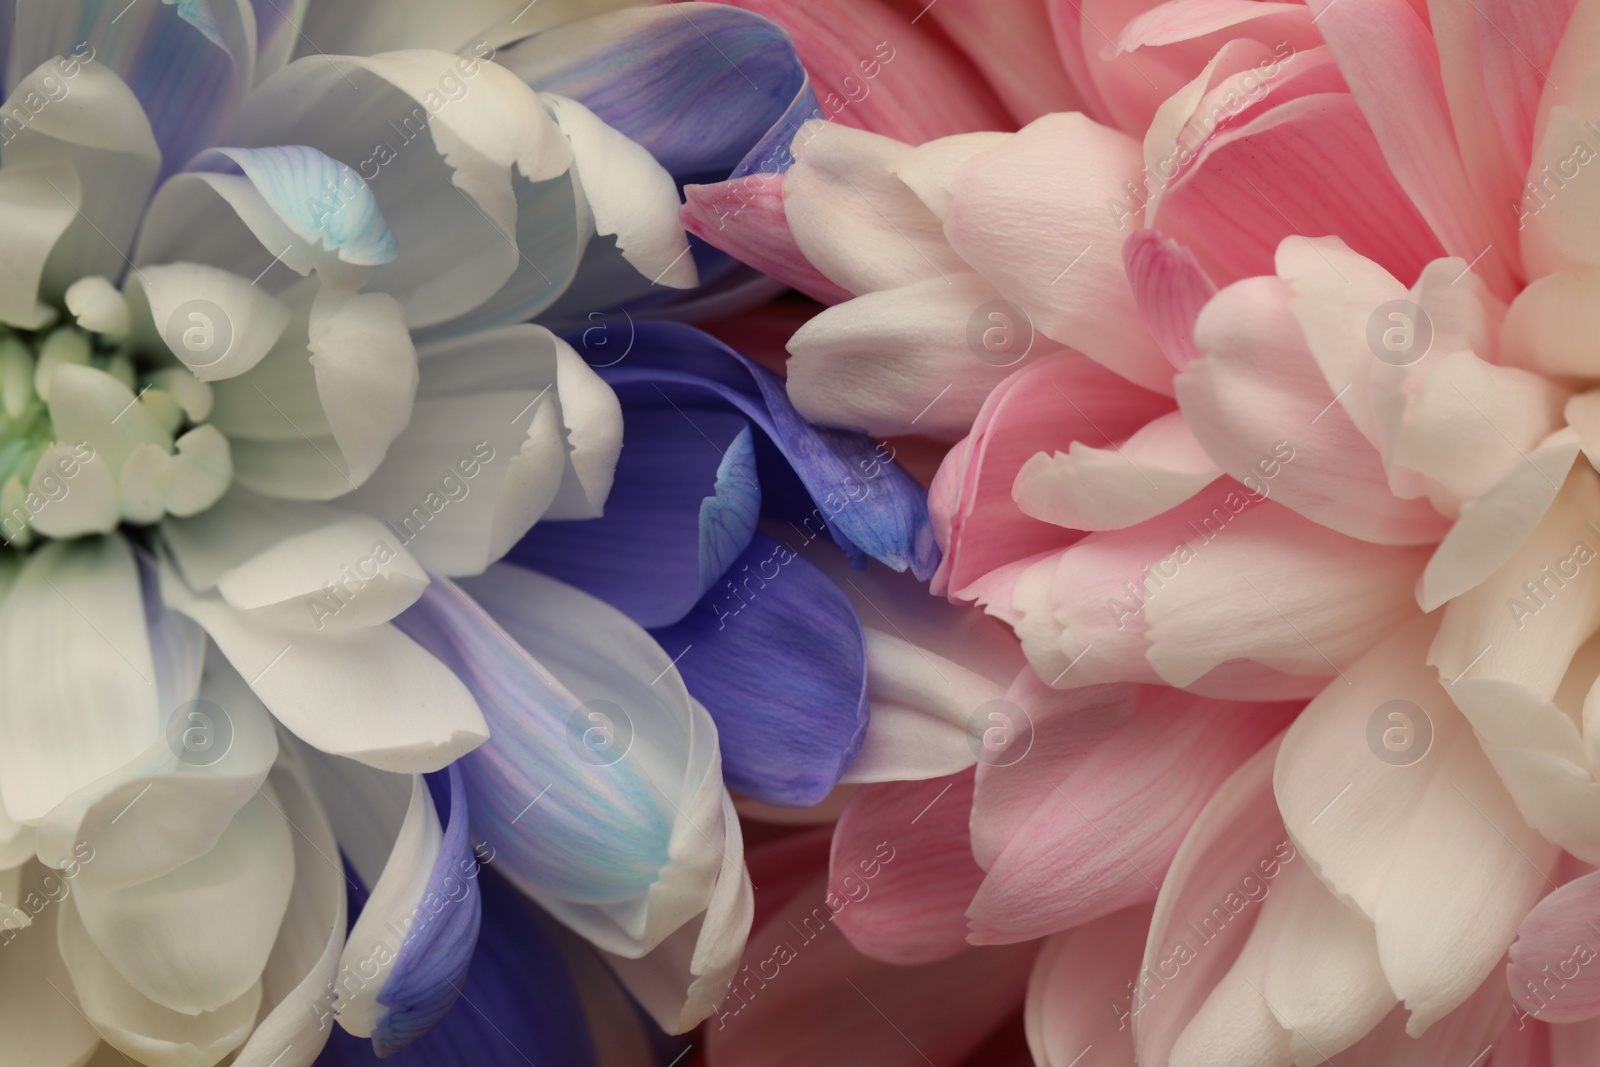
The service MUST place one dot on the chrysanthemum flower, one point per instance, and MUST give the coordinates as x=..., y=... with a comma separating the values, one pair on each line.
x=268, y=385
x=1303, y=406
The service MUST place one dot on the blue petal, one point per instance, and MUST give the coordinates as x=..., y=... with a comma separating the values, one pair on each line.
x=197, y=13
x=320, y=199
x=777, y=655
x=433, y=958
x=518, y=1004
x=697, y=84
x=603, y=835
x=683, y=505
x=869, y=504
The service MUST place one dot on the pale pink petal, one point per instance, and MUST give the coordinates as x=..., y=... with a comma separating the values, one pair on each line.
x=745, y=218
x=1031, y=216
x=1259, y=395
x=1169, y=288
x=1144, y=56
x=1557, y=214
x=1102, y=824
x=1517, y=653
x=1272, y=587
x=1385, y=788
x=1089, y=488
x=1079, y=996
x=1078, y=51
x=902, y=857
x=857, y=223
x=873, y=69
x=900, y=361
x=1494, y=55
x=1464, y=1037
x=1551, y=325
x=1495, y=522
x=1043, y=407
x=930, y=169
x=1085, y=614
x=1308, y=166
x=1011, y=43
x=1206, y=909
x=803, y=996
x=1551, y=973
x=1392, y=67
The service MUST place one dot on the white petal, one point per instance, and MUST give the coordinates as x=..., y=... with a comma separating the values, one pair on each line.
x=1088, y=488
x=139, y=1027
x=216, y=322
x=98, y=306
x=39, y=1025
x=88, y=405
x=369, y=694
x=79, y=491
x=468, y=477
x=200, y=471
x=1493, y=523
x=1429, y=848
x=366, y=372
x=854, y=220
x=173, y=802
x=682, y=980
x=197, y=938
x=37, y=204
x=298, y=981
x=632, y=196
x=902, y=361
x=99, y=127
x=930, y=169
x=342, y=577
x=82, y=697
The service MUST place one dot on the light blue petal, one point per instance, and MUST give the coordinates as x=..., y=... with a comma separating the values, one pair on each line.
x=684, y=503
x=197, y=13
x=778, y=657
x=587, y=833
x=728, y=516
x=433, y=958
x=852, y=487
x=320, y=199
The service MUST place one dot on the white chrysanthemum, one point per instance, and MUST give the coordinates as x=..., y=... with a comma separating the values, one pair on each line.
x=260, y=377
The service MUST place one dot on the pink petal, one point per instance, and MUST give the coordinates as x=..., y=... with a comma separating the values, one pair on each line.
x=1079, y=994
x=1392, y=65
x=745, y=219
x=1030, y=215
x=1309, y=166
x=1043, y=407
x=803, y=996
x=1236, y=846
x=1099, y=827
x=1259, y=396
x=873, y=69
x=1552, y=973
x=1169, y=288
x=1494, y=56
x=902, y=857
x=1121, y=485
x=1011, y=43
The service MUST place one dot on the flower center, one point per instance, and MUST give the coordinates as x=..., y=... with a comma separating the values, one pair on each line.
x=97, y=430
